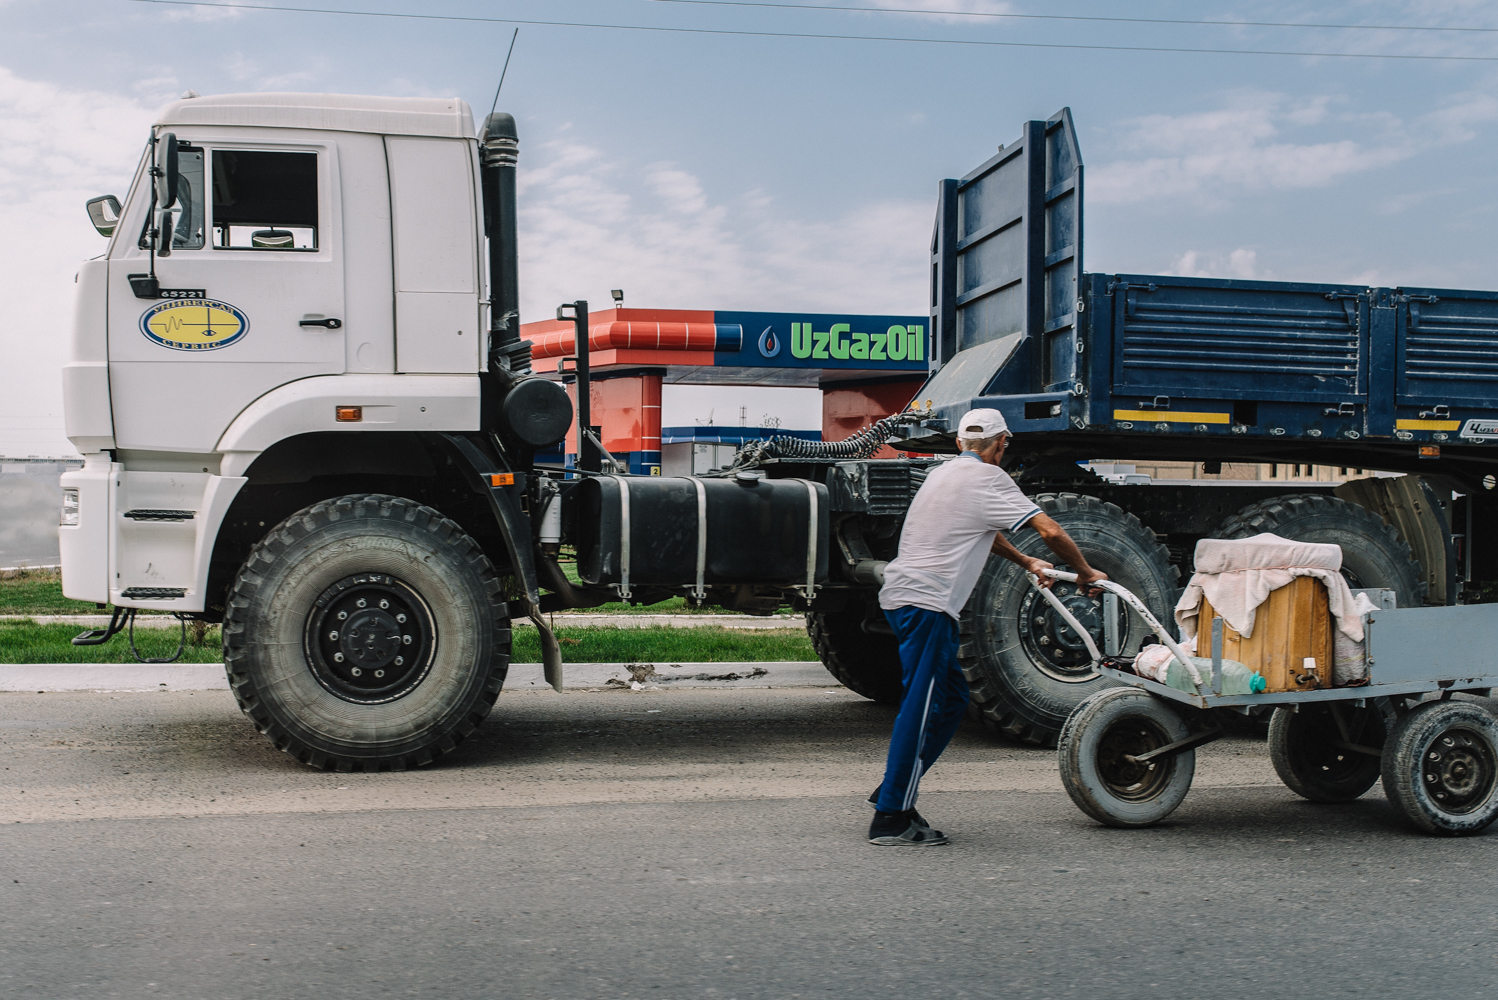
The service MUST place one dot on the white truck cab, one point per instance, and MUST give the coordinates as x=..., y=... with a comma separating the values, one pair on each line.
x=325, y=258
x=307, y=412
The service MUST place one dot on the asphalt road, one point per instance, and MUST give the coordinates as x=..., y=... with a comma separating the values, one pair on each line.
x=687, y=843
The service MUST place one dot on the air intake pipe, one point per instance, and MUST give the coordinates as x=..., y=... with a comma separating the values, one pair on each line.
x=531, y=413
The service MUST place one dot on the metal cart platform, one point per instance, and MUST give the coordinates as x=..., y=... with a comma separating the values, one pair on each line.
x=1127, y=754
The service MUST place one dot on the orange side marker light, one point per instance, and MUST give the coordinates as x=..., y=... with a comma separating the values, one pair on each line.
x=502, y=479
x=346, y=414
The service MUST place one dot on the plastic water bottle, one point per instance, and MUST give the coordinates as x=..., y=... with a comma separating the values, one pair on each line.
x=1236, y=677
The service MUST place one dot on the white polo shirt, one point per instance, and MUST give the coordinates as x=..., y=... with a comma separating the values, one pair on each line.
x=948, y=533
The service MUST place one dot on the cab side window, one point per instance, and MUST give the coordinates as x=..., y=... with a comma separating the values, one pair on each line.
x=264, y=200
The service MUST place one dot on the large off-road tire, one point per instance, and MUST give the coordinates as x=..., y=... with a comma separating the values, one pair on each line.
x=1025, y=670
x=1440, y=767
x=1093, y=753
x=865, y=663
x=1373, y=554
x=1312, y=758
x=366, y=633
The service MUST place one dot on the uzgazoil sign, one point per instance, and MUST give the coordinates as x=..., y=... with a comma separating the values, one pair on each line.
x=841, y=341
x=830, y=341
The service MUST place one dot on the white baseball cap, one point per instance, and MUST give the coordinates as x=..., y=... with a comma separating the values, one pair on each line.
x=983, y=423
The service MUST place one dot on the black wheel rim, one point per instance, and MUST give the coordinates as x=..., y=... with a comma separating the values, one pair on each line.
x=1315, y=744
x=1051, y=643
x=1124, y=778
x=1458, y=769
x=370, y=639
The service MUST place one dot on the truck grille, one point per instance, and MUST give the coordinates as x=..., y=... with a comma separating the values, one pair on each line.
x=889, y=487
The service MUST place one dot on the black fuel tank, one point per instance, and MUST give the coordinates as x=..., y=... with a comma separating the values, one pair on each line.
x=769, y=531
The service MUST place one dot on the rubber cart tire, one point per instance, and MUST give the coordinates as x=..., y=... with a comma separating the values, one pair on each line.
x=1304, y=747
x=1025, y=672
x=1106, y=727
x=367, y=633
x=864, y=663
x=1440, y=767
x=1373, y=554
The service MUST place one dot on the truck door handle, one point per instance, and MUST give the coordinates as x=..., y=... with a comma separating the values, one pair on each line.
x=327, y=322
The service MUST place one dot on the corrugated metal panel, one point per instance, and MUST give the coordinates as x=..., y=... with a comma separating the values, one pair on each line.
x=1007, y=254
x=1203, y=337
x=1448, y=346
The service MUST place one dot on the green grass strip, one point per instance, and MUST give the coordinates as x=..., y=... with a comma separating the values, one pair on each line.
x=23, y=641
x=708, y=644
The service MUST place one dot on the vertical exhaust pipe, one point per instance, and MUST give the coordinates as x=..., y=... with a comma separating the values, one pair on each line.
x=501, y=152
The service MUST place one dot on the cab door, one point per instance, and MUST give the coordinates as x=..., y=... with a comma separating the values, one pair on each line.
x=252, y=291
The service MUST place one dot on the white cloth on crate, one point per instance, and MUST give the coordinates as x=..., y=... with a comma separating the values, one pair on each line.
x=1237, y=576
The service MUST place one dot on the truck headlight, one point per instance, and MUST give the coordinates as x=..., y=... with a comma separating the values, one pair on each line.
x=69, y=507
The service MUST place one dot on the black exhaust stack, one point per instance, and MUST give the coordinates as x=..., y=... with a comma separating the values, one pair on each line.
x=501, y=151
x=531, y=413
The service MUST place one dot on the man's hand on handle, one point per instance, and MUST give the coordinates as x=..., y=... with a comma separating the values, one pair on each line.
x=1059, y=542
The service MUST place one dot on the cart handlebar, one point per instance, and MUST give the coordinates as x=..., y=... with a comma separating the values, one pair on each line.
x=1133, y=602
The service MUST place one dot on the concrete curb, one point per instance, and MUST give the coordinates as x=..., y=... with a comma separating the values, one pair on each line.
x=135, y=677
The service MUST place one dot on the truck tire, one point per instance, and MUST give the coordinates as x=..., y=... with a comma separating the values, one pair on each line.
x=1304, y=748
x=1373, y=554
x=1440, y=767
x=864, y=663
x=1093, y=756
x=1026, y=676
x=366, y=633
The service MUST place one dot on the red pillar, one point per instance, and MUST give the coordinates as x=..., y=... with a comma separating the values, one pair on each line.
x=628, y=409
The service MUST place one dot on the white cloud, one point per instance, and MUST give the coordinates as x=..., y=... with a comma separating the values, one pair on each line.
x=1240, y=263
x=58, y=148
x=589, y=224
x=1207, y=157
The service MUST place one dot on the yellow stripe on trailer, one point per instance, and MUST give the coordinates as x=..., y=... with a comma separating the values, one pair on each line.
x=1427, y=425
x=1173, y=416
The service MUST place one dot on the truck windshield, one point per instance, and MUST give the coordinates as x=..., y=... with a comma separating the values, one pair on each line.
x=188, y=213
x=264, y=200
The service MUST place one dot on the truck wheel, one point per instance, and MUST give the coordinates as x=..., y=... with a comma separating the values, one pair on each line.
x=864, y=663
x=1094, y=750
x=1025, y=669
x=1440, y=767
x=1373, y=554
x=1310, y=757
x=366, y=633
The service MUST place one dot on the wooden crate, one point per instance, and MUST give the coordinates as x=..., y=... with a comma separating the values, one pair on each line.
x=1292, y=624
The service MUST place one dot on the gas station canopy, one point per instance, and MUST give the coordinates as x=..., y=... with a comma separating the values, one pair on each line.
x=710, y=347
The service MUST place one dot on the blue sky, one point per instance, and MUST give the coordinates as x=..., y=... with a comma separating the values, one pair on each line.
x=734, y=171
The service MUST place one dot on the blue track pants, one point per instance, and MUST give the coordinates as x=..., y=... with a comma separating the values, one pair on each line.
x=935, y=698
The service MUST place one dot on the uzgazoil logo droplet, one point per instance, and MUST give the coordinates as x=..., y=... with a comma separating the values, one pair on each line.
x=769, y=344
x=194, y=324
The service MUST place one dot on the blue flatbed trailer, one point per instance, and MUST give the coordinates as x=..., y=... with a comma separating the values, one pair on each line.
x=1171, y=368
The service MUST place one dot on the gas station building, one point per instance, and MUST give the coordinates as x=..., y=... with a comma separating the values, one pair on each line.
x=867, y=367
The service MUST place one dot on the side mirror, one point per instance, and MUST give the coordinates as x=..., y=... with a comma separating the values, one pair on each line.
x=104, y=213
x=165, y=171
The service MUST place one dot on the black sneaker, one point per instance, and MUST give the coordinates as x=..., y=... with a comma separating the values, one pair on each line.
x=903, y=829
x=873, y=801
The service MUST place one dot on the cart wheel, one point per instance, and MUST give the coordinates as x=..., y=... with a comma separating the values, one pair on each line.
x=1441, y=767
x=1312, y=758
x=1096, y=742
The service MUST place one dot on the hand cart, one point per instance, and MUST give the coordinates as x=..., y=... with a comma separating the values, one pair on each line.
x=1128, y=753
